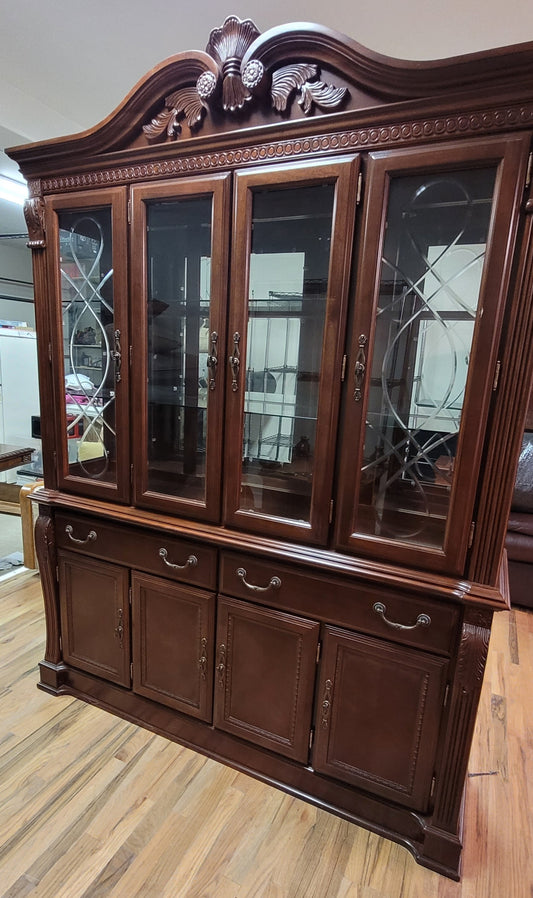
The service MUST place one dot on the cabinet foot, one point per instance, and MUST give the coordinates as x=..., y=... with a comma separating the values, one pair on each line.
x=53, y=676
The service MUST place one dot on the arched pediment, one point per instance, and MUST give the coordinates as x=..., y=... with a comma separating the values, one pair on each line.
x=246, y=79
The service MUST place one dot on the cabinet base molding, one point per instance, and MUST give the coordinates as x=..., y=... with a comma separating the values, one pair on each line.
x=53, y=676
x=433, y=848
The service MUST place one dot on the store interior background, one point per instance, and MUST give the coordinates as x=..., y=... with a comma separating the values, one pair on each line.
x=65, y=67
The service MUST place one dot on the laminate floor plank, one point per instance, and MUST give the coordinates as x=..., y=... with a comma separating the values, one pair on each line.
x=94, y=807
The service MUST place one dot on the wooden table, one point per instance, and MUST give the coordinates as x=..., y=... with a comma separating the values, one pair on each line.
x=11, y=456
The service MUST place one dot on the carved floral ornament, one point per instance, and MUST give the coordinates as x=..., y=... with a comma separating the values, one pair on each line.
x=227, y=46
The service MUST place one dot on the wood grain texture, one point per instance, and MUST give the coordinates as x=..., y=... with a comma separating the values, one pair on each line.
x=92, y=806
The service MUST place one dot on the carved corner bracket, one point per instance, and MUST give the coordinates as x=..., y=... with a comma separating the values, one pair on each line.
x=34, y=215
x=235, y=82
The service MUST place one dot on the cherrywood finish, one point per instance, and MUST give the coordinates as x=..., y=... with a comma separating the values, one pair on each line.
x=164, y=554
x=264, y=680
x=218, y=188
x=176, y=670
x=343, y=174
x=403, y=627
x=510, y=157
x=95, y=624
x=373, y=694
x=114, y=199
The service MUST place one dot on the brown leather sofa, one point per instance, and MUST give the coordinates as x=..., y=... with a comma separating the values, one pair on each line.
x=519, y=540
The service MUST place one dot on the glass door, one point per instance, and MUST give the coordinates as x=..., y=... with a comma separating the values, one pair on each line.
x=291, y=256
x=179, y=265
x=423, y=348
x=88, y=253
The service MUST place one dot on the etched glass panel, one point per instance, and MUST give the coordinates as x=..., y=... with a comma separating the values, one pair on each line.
x=431, y=272
x=179, y=344
x=287, y=295
x=89, y=342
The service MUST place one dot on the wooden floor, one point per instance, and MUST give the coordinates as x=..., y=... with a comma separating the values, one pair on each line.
x=91, y=806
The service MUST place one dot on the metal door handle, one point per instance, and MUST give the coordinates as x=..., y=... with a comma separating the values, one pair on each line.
x=360, y=368
x=235, y=362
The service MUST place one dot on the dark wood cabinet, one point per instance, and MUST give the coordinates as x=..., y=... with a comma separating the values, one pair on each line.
x=173, y=636
x=265, y=676
x=379, y=711
x=285, y=317
x=95, y=616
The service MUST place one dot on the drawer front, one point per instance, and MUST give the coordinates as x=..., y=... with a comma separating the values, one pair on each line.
x=396, y=616
x=146, y=550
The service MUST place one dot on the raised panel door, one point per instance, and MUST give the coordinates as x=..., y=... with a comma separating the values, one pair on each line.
x=264, y=676
x=379, y=708
x=173, y=642
x=95, y=616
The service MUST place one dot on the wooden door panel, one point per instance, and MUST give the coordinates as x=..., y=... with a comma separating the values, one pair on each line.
x=95, y=616
x=173, y=642
x=264, y=679
x=378, y=716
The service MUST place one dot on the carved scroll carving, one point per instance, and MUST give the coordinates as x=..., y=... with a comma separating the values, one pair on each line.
x=300, y=78
x=34, y=215
x=227, y=46
x=46, y=553
x=185, y=102
x=463, y=707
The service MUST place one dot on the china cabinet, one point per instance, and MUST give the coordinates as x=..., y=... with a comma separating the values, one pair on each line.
x=285, y=327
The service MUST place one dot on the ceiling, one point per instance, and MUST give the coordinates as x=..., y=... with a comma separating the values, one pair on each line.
x=65, y=66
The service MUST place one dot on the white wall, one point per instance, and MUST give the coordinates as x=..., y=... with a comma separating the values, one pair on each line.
x=16, y=281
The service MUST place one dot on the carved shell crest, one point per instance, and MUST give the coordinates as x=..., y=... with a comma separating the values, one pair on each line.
x=227, y=46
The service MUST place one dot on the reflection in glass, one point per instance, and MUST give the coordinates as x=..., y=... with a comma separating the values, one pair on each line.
x=179, y=344
x=89, y=341
x=433, y=257
x=287, y=293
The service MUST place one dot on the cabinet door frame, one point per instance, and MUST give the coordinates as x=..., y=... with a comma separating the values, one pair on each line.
x=300, y=681
x=117, y=638
x=423, y=738
x=203, y=635
x=509, y=155
x=343, y=172
x=217, y=186
x=116, y=199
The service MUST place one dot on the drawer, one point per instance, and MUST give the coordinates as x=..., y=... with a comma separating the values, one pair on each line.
x=155, y=552
x=396, y=616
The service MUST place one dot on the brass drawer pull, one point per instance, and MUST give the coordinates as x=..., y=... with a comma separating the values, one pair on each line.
x=423, y=620
x=192, y=561
x=274, y=583
x=91, y=536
